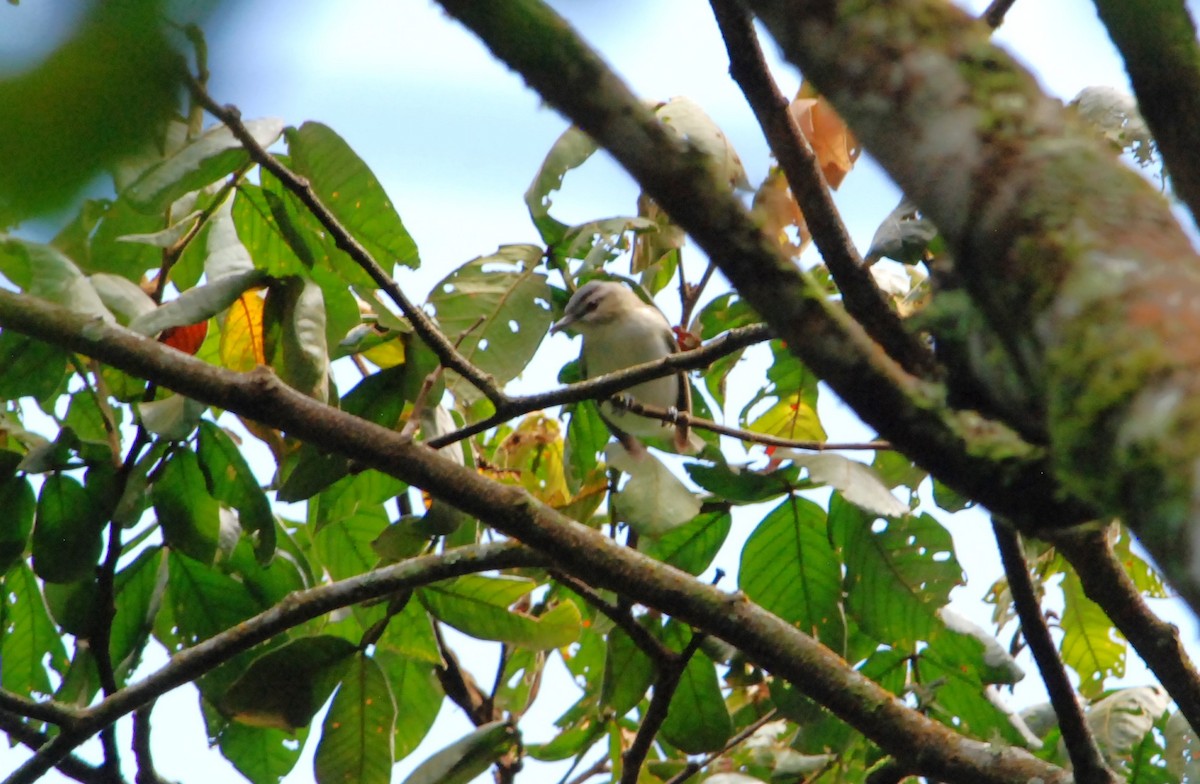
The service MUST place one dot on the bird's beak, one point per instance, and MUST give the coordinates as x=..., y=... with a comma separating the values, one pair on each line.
x=561, y=324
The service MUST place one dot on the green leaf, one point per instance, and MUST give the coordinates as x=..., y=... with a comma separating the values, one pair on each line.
x=497, y=308
x=954, y=694
x=138, y=593
x=205, y=159
x=285, y=687
x=102, y=94
x=1122, y=719
x=54, y=277
x=416, y=690
x=689, y=122
x=692, y=546
x=903, y=236
x=234, y=484
x=173, y=417
x=66, y=532
x=29, y=637
x=410, y=634
x=570, y=150
x=344, y=544
x=199, y=303
x=17, y=501
x=1090, y=645
x=653, y=502
x=628, y=673
x=899, y=571
x=356, y=736
x=109, y=252
x=697, y=719
x=352, y=193
x=264, y=755
x=742, y=486
x=300, y=355
x=121, y=296
x=73, y=605
x=31, y=368
x=479, y=606
x=992, y=662
x=467, y=757
x=789, y=567
x=203, y=601
x=187, y=512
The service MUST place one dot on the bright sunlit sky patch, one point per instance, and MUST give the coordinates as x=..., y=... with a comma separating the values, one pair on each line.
x=456, y=138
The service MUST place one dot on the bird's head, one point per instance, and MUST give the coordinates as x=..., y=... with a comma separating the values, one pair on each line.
x=595, y=303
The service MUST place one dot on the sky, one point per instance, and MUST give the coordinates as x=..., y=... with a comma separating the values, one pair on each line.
x=455, y=138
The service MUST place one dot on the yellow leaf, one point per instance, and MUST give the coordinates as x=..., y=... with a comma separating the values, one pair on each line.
x=242, y=334
x=386, y=355
x=832, y=142
x=790, y=418
x=779, y=215
x=535, y=452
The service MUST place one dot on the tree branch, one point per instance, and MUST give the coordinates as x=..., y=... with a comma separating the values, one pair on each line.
x=670, y=671
x=1157, y=40
x=862, y=298
x=996, y=11
x=1091, y=554
x=1081, y=745
x=70, y=765
x=294, y=609
x=612, y=383
x=771, y=643
x=1075, y=259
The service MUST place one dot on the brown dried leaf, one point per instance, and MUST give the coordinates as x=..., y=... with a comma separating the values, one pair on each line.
x=832, y=142
x=777, y=211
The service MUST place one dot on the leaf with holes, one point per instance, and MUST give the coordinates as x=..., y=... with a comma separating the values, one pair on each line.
x=498, y=308
x=899, y=571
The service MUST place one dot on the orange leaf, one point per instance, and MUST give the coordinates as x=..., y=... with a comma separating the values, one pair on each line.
x=832, y=142
x=186, y=339
x=242, y=335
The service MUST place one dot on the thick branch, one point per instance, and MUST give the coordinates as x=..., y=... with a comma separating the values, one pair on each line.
x=1081, y=744
x=70, y=765
x=1157, y=39
x=862, y=298
x=771, y=643
x=1075, y=259
x=1007, y=476
x=1091, y=554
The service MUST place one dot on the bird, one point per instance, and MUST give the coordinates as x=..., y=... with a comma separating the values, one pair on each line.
x=619, y=330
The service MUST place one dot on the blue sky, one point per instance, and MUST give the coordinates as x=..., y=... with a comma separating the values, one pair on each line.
x=456, y=138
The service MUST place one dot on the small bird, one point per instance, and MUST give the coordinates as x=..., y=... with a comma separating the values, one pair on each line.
x=620, y=330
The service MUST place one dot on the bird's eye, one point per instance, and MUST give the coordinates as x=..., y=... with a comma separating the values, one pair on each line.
x=590, y=305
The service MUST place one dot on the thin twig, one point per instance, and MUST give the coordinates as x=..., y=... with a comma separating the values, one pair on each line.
x=612, y=383
x=655, y=412
x=460, y=685
x=146, y=772
x=695, y=767
x=598, y=767
x=669, y=674
x=1081, y=745
x=421, y=323
x=994, y=15
x=860, y=295
x=649, y=645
